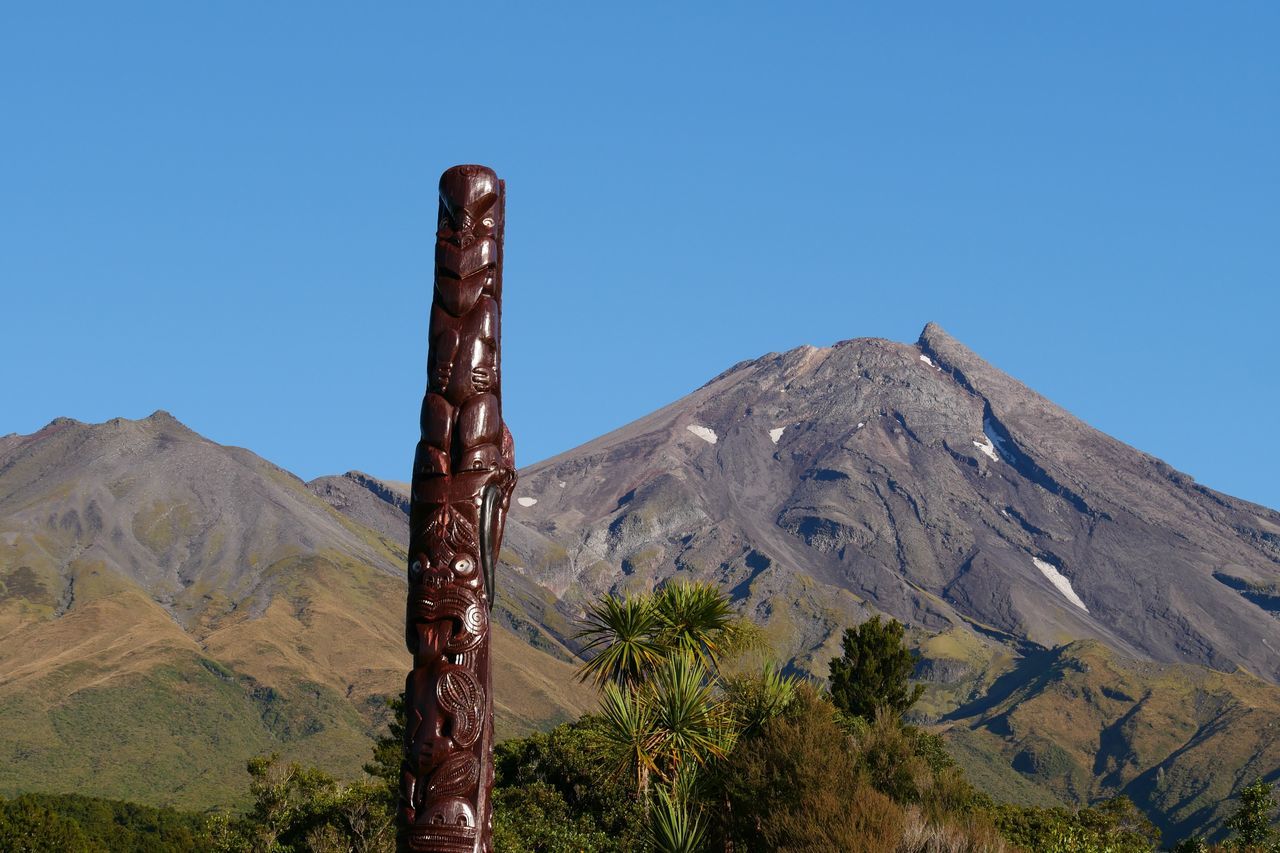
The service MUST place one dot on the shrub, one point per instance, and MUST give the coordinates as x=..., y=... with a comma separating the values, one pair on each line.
x=875, y=670
x=565, y=762
x=793, y=785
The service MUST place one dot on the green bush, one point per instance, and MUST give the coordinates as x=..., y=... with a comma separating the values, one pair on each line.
x=565, y=762
x=1250, y=823
x=26, y=826
x=794, y=784
x=875, y=670
x=535, y=818
x=1115, y=826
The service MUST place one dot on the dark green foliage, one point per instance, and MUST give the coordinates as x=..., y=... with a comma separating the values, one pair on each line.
x=72, y=822
x=889, y=761
x=388, y=755
x=910, y=766
x=874, y=670
x=26, y=826
x=531, y=773
x=300, y=809
x=1119, y=821
x=931, y=748
x=1250, y=823
x=535, y=818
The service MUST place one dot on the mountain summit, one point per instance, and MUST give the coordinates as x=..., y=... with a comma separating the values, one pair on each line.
x=1092, y=621
x=919, y=480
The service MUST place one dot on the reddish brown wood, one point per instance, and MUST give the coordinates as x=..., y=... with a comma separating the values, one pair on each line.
x=463, y=475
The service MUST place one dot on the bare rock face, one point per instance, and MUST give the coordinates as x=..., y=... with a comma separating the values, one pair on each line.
x=377, y=504
x=922, y=482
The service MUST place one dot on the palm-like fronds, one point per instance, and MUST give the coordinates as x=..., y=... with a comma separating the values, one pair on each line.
x=629, y=732
x=696, y=618
x=689, y=783
x=623, y=634
x=661, y=711
x=674, y=827
x=689, y=722
x=755, y=699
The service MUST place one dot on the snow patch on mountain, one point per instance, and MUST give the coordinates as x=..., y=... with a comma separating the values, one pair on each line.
x=1058, y=579
x=705, y=433
x=993, y=437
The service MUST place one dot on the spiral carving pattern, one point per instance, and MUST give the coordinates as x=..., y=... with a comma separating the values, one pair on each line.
x=463, y=476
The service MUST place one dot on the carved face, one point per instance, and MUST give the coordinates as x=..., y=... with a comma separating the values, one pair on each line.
x=469, y=208
x=467, y=244
x=451, y=547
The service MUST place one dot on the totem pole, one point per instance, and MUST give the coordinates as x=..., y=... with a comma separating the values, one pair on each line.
x=463, y=475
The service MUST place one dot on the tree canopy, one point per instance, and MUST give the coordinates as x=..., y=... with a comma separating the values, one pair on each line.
x=875, y=670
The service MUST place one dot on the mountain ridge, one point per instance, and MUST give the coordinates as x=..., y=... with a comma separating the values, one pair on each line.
x=973, y=449
x=192, y=605
x=1031, y=555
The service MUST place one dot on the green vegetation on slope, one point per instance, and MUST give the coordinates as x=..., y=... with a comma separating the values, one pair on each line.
x=71, y=823
x=756, y=762
x=193, y=607
x=1081, y=724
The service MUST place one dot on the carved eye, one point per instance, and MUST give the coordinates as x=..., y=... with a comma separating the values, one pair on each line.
x=462, y=566
x=488, y=222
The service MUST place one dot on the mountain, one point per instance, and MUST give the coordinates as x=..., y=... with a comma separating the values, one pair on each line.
x=923, y=481
x=1090, y=621
x=821, y=485
x=170, y=607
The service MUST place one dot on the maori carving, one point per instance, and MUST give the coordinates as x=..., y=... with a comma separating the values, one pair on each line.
x=463, y=475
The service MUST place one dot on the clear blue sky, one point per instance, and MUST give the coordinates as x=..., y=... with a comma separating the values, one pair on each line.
x=226, y=209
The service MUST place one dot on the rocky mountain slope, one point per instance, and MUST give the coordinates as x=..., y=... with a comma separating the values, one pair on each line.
x=170, y=607
x=922, y=481
x=819, y=485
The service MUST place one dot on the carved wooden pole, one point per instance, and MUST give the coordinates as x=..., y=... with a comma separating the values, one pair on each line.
x=463, y=475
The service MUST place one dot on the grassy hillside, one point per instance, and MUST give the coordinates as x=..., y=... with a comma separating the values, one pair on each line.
x=170, y=608
x=1081, y=723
